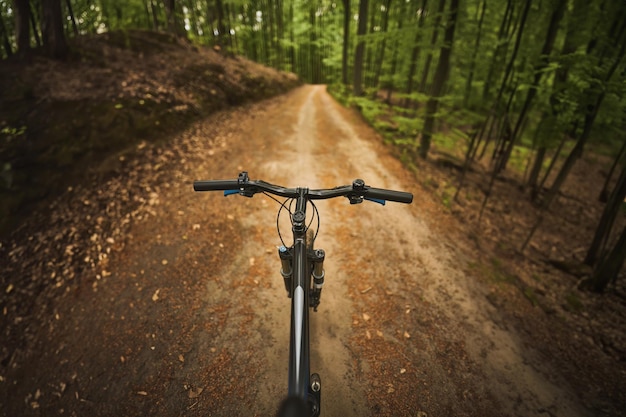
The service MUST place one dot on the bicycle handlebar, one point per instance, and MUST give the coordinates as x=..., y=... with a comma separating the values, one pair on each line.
x=355, y=192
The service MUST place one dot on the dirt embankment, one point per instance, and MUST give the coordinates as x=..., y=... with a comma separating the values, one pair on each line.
x=60, y=120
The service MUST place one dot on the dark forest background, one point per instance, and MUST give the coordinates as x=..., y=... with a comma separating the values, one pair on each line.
x=522, y=85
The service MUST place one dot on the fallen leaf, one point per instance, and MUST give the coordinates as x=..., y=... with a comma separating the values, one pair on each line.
x=195, y=393
x=407, y=335
x=181, y=358
x=366, y=316
x=142, y=393
x=155, y=297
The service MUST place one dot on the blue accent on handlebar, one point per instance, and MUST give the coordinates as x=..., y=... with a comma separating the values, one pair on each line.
x=230, y=192
x=376, y=200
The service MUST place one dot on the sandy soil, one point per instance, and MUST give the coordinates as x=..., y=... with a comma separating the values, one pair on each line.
x=180, y=308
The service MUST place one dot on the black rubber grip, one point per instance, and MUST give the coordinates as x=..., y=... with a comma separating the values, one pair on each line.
x=215, y=185
x=389, y=195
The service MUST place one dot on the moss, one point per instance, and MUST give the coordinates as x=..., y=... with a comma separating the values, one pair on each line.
x=573, y=303
x=529, y=293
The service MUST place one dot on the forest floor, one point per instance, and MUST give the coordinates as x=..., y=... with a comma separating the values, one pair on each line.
x=128, y=294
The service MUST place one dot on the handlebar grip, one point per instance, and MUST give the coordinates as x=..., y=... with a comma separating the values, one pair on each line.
x=215, y=185
x=389, y=195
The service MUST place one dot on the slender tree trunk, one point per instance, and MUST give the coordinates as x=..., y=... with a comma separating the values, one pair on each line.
x=346, y=41
x=381, y=53
x=33, y=25
x=292, y=39
x=555, y=158
x=360, y=49
x=170, y=12
x=503, y=34
x=394, y=55
x=540, y=156
x=155, y=19
x=415, y=52
x=70, y=13
x=604, y=193
x=221, y=29
x=611, y=209
x=470, y=75
x=573, y=156
x=280, y=33
x=441, y=75
x=544, y=60
x=268, y=17
x=5, y=37
x=22, y=26
x=608, y=270
x=312, y=48
x=433, y=42
x=52, y=29
x=509, y=69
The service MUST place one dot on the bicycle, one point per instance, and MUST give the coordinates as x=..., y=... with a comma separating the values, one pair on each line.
x=302, y=269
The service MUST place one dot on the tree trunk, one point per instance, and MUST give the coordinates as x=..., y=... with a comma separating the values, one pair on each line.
x=544, y=60
x=52, y=29
x=312, y=46
x=172, y=22
x=540, y=156
x=611, y=209
x=33, y=25
x=22, y=26
x=518, y=39
x=604, y=193
x=433, y=42
x=394, y=55
x=155, y=19
x=221, y=29
x=346, y=40
x=292, y=46
x=5, y=37
x=501, y=45
x=381, y=53
x=470, y=75
x=443, y=68
x=70, y=14
x=415, y=52
x=360, y=49
x=280, y=33
x=608, y=270
x=573, y=156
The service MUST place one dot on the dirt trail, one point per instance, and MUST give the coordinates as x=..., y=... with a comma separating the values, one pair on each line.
x=191, y=317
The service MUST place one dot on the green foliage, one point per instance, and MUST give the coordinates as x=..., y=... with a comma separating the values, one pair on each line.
x=307, y=37
x=573, y=302
x=371, y=109
x=10, y=132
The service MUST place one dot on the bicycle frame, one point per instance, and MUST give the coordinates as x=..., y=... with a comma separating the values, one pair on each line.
x=301, y=384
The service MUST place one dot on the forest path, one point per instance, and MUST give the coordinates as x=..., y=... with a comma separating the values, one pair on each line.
x=190, y=315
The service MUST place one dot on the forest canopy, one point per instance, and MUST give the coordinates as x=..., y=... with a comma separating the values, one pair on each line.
x=544, y=76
